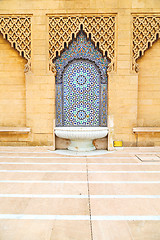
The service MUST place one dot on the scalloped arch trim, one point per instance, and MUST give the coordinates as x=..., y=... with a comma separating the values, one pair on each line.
x=17, y=31
x=101, y=29
x=146, y=30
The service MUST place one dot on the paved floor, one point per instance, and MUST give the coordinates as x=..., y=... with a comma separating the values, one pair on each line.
x=48, y=196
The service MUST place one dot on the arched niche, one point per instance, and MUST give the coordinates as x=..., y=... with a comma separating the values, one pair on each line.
x=80, y=104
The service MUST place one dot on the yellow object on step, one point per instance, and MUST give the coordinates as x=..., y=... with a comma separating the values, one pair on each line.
x=117, y=143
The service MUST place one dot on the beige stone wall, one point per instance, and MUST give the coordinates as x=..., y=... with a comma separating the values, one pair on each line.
x=149, y=94
x=12, y=86
x=125, y=97
x=149, y=87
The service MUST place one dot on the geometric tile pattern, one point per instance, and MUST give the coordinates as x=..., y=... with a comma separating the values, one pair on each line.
x=59, y=104
x=81, y=85
x=81, y=48
x=103, y=107
x=81, y=89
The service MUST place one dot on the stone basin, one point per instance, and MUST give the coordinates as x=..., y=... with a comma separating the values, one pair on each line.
x=81, y=137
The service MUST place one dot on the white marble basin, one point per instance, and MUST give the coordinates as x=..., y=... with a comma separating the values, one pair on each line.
x=81, y=137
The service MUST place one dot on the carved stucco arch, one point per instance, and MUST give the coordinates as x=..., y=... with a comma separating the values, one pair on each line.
x=146, y=30
x=100, y=29
x=17, y=31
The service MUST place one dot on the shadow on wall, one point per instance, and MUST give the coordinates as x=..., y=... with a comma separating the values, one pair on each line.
x=149, y=95
x=12, y=86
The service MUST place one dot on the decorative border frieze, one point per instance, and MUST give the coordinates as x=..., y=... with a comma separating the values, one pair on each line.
x=100, y=29
x=146, y=30
x=17, y=31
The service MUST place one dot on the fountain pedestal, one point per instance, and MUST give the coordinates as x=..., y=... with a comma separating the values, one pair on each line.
x=81, y=137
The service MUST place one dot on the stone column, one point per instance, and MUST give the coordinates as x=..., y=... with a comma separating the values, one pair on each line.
x=40, y=86
x=123, y=85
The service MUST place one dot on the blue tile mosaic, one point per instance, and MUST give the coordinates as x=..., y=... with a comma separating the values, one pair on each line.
x=81, y=85
x=81, y=94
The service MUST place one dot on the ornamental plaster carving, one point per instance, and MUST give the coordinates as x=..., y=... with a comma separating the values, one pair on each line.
x=27, y=67
x=111, y=66
x=100, y=29
x=17, y=31
x=146, y=30
x=52, y=68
